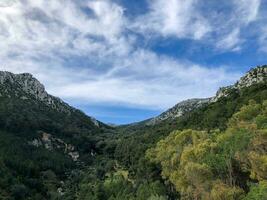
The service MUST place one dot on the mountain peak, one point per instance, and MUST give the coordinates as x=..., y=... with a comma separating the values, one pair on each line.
x=27, y=90
x=26, y=86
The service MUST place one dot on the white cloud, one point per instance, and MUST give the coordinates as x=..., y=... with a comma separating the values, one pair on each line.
x=39, y=27
x=263, y=39
x=247, y=10
x=142, y=80
x=41, y=36
x=176, y=18
x=232, y=27
x=194, y=19
x=231, y=41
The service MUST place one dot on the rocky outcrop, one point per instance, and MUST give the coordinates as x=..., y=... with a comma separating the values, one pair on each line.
x=222, y=92
x=25, y=86
x=52, y=143
x=254, y=76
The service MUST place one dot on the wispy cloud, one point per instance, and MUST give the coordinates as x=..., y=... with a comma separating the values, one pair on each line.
x=89, y=51
x=230, y=41
x=143, y=80
x=212, y=22
x=176, y=18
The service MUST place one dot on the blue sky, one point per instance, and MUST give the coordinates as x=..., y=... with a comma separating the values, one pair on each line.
x=122, y=61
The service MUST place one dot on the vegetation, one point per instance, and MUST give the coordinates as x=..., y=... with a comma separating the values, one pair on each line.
x=125, y=153
x=35, y=172
x=218, y=165
x=215, y=152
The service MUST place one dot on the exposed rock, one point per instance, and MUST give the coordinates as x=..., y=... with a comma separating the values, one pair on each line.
x=51, y=143
x=30, y=86
x=96, y=123
x=25, y=86
x=74, y=155
x=254, y=76
x=46, y=139
x=222, y=92
x=60, y=191
x=36, y=143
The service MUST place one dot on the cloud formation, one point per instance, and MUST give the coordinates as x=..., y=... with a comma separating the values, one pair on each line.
x=214, y=22
x=176, y=18
x=89, y=51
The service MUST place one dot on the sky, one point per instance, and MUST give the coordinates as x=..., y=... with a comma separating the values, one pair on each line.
x=123, y=61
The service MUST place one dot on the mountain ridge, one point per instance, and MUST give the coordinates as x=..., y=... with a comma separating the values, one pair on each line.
x=31, y=86
x=28, y=84
x=63, y=152
x=253, y=76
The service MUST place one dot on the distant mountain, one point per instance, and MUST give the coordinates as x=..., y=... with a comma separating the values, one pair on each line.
x=254, y=76
x=179, y=109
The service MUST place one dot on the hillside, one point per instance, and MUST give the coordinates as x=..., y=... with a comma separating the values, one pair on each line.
x=49, y=150
x=256, y=76
x=42, y=138
x=136, y=139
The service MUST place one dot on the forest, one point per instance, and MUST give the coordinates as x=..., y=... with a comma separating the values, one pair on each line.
x=216, y=152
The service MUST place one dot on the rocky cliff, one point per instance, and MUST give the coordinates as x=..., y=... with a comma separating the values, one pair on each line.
x=25, y=86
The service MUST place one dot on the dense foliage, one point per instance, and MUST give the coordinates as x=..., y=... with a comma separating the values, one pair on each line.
x=31, y=172
x=121, y=160
x=207, y=157
x=27, y=171
x=218, y=165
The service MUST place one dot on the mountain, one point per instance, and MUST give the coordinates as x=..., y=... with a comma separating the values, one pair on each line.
x=44, y=120
x=254, y=76
x=26, y=87
x=210, y=122
x=50, y=150
x=24, y=94
x=42, y=139
x=179, y=109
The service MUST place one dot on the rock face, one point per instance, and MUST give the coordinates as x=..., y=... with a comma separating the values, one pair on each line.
x=222, y=92
x=26, y=86
x=179, y=109
x=52, y=143
x=254, y=76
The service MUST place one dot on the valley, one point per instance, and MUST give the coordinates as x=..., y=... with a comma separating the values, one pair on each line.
x=212, y=148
